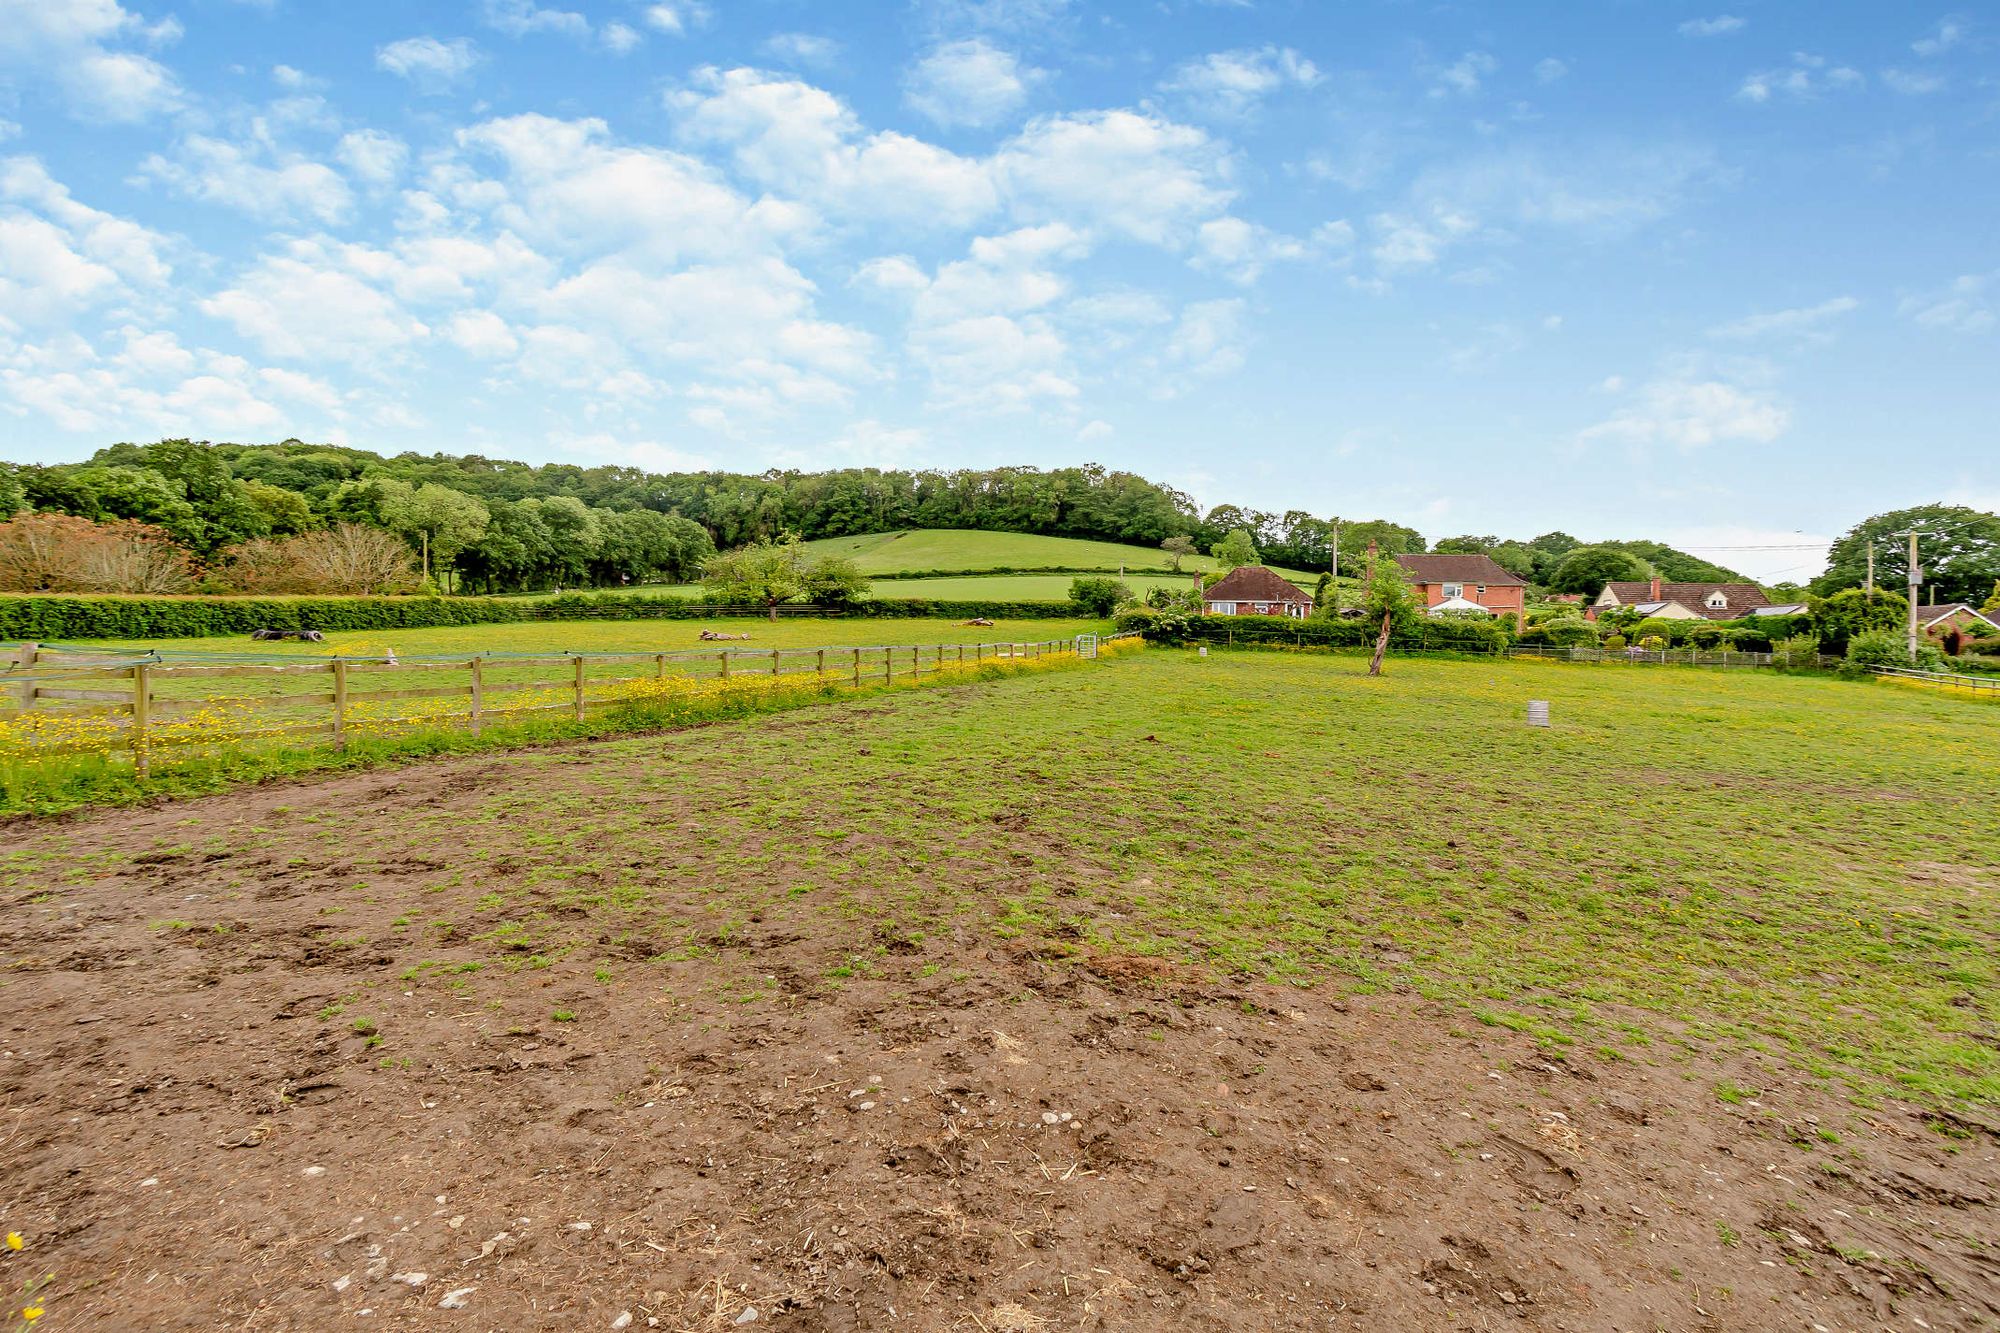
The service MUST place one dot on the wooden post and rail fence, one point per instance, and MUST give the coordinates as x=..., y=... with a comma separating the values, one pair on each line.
x=144, y=703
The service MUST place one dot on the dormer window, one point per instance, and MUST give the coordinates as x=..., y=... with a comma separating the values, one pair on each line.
x=1717, y=602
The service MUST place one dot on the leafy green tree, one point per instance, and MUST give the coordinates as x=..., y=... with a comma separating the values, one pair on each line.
x=1178, y=548
x=1586, y=570
x=1850, y=613
x=285, y=513
x=576, y=535
x=1959, y=551
x=440, y=521
x=1387, y=596
x=1235, y=550
x=770, y=573
x=1098, y=597
x=12, y=498
x=1992, y=604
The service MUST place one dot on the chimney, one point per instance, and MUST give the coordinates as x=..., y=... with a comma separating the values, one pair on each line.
x=1656, y=588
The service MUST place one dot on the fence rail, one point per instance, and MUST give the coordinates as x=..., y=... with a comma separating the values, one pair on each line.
x=1949, y=680
x=56, y=700
x=1718, y=657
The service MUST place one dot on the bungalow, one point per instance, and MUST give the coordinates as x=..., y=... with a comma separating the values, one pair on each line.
x=1682, y=601
x=1466, y=583
x=1252, y=590
x=1938, y=618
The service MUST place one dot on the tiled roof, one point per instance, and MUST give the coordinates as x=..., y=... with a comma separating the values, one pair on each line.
x=1254, y=583
x=1459, y=569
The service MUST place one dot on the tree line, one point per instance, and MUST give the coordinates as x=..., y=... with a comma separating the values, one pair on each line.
x=187, y=515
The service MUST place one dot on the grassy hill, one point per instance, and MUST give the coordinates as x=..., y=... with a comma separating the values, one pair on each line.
x=955, y=551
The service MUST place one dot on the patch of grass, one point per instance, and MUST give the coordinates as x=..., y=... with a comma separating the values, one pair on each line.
x=563, y=1015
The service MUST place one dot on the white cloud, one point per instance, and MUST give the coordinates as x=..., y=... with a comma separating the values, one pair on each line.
x=1947, y=35
x=1913, y=82
x=802, y=48
x=1550, y=70
x=619, y=38
x=1687, y=413
x=254, y=178
x=1208, y=340
x=483, y=334
x=1966, y=306
x=1130, y=172
x=430, y=65
x=523, y=18
x=68, y=41
x=1243, y=250
x=677, y=18
x=1403, y=242
x=59, y=257
x=349, y=319
x=1720, y=25
x=373, y=157
x=285, y=76
x=968, y=83
x=1463, y=76
x=1807, y=77
x=1806, y=322
x=802, y=141
x=1232, y=84
x=1092, y=431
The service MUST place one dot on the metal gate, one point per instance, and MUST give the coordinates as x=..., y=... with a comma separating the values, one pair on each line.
x=1086, y=645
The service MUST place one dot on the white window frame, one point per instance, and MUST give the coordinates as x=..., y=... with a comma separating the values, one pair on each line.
x=1717, y=602
x=1452, y=590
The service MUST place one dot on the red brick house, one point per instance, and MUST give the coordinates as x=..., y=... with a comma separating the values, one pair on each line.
x=1936, y=619
x=1474, y=579
x=1252, y=590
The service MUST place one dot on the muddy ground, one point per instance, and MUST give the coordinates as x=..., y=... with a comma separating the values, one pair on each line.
x=228, y=1103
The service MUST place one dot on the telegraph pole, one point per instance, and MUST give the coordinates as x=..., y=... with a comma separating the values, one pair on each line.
x=1334, y=567
x=1871, y=571
x=1916, y=581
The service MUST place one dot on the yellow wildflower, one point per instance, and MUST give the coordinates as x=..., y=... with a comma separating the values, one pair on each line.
x=14, y=1241
x=32, y=1313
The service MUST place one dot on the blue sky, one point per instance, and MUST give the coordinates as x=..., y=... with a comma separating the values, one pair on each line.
x=1723, y=274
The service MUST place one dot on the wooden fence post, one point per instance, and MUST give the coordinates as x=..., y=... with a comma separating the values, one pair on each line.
x=961, y=654
x=659, y=666
x=142, y=700
x=725, y=664
x=820, y=669
x=29, y=652
x=579, y=689
x=775, y=654
x=339, y=704
x=888, y=666
x=478, y=694
x=857, y=668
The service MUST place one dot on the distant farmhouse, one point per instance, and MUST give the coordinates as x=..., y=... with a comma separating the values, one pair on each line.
x=1472, y=583
x=1691, y=601
x=1252, y=590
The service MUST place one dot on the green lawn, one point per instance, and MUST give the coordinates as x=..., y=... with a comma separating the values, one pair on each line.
x=638, y=636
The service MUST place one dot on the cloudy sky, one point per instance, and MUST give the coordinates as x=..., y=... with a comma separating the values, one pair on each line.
x=1726, y=274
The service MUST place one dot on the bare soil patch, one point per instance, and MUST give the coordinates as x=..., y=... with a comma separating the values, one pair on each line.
x=268, y=1065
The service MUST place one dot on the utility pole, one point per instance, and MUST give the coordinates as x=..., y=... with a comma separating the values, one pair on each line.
x=1871, y=571
x=1916, y=581
x=1335, y=567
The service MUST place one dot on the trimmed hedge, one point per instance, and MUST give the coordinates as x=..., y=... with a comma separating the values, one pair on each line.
x=1432, y=635
x=65, y=619
x=1161, y=571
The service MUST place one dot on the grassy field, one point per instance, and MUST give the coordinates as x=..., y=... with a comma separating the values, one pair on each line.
x=616, y=636
x=950, y=549
x=1017, y=996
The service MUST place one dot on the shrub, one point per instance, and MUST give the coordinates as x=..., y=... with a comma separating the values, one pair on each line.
x=1614, y=642
x=1098, y=597
x=1569, y=632
x=1653, y=643
x=1877, y=648
x=58, y=553
x=1652, y=627
x=1798, y=653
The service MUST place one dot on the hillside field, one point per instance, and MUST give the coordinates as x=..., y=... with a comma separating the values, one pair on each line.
x=943, y=549
x=1166, y=992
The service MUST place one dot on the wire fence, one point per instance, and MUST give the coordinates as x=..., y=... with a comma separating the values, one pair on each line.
x=1948, y=681
x=60, y=701
x=1709, y=657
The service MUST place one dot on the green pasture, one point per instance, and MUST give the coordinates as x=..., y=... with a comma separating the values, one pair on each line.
x=625, y=636
x=950, y=549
